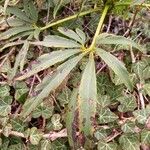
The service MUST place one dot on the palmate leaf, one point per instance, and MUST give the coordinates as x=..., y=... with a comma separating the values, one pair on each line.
x=138, y=69
x=59, y=145
x=105, y=38
x=128, y=127
x=146, y=88
x=47, y=60
x=45, y=144
x=57, y=41
x=44, y=111
x=127, y=103
x=107, y=146
x=16, y=146
x=104, y=100
x=35, y=136
x=56, y=124
x=4, y=91
x=21, y=91
x=117, y=66
x=18, y=125
x=60, y=74
x=129, y=142
x=5, y=105
x=106, y=116
x=145, y=137
x=64, y=97
x=142, y=115
x=102, y=133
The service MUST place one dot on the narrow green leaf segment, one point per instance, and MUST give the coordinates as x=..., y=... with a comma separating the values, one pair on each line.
x=87, y=98
x=116, y=65
x=81, y=115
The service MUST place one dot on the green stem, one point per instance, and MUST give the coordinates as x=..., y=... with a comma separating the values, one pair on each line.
x=69, y=18
x=99, y=27
x=129, y=3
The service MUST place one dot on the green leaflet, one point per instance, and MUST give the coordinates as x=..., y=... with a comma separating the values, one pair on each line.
x=57, y=4
x=117, y=66
x=57, y=7
x=61, y=73
x=13, y=22
x=18, y=13
x=11, y=44
x=72, y=121
x=23, y=34
x=47, y=60
x=81, y=35
x=14, y=31
x=80, y=105
x=20, y=59
x=57, y=41
x=30, y=10
x=87, y=97
x=71, y=34
x=106, y=38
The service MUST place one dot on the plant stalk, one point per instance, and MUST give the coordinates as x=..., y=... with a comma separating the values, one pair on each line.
x=85, y=13
x=69, y=18
x=99, y=27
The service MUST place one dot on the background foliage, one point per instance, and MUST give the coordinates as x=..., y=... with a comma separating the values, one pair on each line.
x=74, y=74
